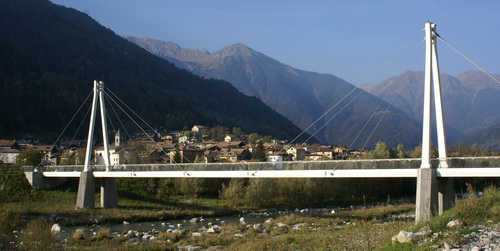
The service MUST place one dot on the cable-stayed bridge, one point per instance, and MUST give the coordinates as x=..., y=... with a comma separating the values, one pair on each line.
x=434, y=176
x=373, y=168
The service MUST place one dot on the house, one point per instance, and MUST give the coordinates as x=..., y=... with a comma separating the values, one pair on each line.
x=339, y=150
x=188, y=154
x=183, y=139
x=73, y=156
x=357, y=152
x=274, y=149
x=326, y=152
x=9, y=155
x=8, y=144
x=199, y=130
x=231, y=144
x=298, y=153
x=231, y=154
x=313, y=157
x=48, y=153
x=276, y=159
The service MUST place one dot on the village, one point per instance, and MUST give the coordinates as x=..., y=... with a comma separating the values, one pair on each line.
x=199, y=144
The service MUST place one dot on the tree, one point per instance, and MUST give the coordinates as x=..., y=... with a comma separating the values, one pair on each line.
x=237, y=131
x=260, y=152
x=417, y=152
x=475, y=150
x=381, y=152
x=266, y=139
x=29, y=158
x=400, y=152
x=253, y=137
x=246, y=155
x=177, y=158
x=219, y=132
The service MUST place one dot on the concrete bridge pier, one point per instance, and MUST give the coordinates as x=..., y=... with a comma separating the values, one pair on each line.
x=446, y=194
x=427, y=194
x=86, y=190
x=109, y=195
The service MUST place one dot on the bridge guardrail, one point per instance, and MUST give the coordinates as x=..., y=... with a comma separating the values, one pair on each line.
x=461, y=162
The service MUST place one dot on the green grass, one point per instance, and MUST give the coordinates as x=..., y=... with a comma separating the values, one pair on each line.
x=471, y=211
x=362, y=229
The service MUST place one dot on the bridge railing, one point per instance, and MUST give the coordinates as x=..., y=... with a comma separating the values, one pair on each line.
x=461, y=162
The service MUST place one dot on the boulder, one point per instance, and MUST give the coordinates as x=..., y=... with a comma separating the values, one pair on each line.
x=197, y=234
x=258, y=227
x=406, y=237
x=193, y=220
x=213, y=230
x=455, y=224
x=56, y=228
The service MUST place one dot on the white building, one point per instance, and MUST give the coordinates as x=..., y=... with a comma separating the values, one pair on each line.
x=9, y=155
x=114, y=152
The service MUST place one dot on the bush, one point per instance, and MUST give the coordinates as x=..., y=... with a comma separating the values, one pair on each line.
x=261, y=192
x=474, y=209
x=196, y=187
x=13, y=186
x=235, y=190
x=37, y=236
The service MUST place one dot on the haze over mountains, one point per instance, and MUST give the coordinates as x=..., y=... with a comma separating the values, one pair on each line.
x=301, y=96
x=471, y=100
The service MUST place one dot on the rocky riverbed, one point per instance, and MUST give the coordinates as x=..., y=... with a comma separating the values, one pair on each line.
x=187, y=234
x=474, y=237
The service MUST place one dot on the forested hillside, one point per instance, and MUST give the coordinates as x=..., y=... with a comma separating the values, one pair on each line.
x=50, y=56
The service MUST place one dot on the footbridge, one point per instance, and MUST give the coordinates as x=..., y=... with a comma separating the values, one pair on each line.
x=434, y=192
x=373, y=168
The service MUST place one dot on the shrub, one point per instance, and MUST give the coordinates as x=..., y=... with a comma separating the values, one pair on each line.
x=78, y=235
x=261, y=192
x=235, y=190
x=13, y=186
x=37, y=236
x=103, y=233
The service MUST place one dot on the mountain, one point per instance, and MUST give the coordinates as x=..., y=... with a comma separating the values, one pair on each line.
x=470, y=100
x=51, y=55
x=301, y=96
x=488, y=138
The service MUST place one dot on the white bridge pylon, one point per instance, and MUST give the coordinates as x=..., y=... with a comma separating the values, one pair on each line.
x=86, y=189
x=432, y=195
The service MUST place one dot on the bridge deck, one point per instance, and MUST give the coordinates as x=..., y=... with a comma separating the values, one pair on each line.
x=387, y=168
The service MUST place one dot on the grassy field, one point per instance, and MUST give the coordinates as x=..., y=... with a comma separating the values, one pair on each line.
x=26, y=216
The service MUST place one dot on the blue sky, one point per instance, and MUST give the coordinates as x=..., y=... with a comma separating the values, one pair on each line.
x=349, y=39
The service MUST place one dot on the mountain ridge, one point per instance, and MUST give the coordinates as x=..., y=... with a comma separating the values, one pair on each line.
x=470, y=100
x=301, y=96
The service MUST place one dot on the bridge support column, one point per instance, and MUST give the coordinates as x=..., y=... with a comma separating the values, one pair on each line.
x=446, y=196
x=109, y=196
x=427, y=201
x=86, y=191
